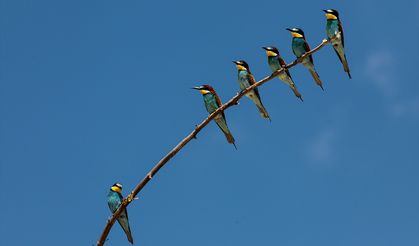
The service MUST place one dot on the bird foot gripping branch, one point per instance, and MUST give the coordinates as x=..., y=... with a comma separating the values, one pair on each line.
x=300, y=59
x=109, y=218
x=131, y=198
x=237, y=94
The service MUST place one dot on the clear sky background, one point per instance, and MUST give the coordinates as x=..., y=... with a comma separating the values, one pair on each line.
x=96, y=92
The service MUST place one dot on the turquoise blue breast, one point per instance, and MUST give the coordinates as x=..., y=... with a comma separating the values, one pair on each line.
x=332, y=28
x=114, y=201
x=274, y=63
x=210, y=102
x=243, y=79
x=298, y=46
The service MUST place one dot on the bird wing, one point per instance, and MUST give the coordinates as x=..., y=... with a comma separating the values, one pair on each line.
x=124, y=223
x=114, y=201
x=341, y=33
x=218, y=101
x=124, y=215
x=123, y=220
x=307, y=48
x=252, y=81
x=120, y=198
x=118, y=201
x=284, y=64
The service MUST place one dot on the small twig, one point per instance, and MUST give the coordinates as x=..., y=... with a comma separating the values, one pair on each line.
x=232, y=102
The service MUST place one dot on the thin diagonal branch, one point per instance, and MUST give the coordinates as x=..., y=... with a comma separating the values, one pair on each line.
x=233, y=101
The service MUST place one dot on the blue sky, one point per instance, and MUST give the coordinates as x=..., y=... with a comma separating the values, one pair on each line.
x=95, y=92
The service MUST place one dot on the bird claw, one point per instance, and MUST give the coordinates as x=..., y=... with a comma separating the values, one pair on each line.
x=238, y=94
x=130, y=198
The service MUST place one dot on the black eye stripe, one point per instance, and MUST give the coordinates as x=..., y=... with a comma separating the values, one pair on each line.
x=332, y=11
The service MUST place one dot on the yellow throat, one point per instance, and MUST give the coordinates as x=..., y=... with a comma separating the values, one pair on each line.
x=116, y=189
x=296, y=35
x=271, y=53
x=330, y=16
x=240, y=67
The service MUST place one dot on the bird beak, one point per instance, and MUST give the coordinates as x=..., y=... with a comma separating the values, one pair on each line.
x=236, y=62
x=196, y=88
x=289, y=29
x=324, y=10
x=265, y=48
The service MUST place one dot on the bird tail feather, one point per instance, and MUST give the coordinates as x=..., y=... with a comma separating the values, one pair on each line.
x=342, y=57
x=296, y=92
x=224, y=128
x=263, y=112
x=288, y=80
x=130, y=239
x=316, y=77
x=256, y=99
x=229, y=137
x=346, y=66
x=127, y=229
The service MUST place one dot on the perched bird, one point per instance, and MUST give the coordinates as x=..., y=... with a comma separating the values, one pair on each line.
x=334, y=31
x=299, y=48
x=246, y=79
x=114, y=201
x=276, y=62
x=212, y=102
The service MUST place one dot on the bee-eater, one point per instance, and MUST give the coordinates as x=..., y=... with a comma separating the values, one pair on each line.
x=299, y=48
x=334, y=31
x=114, y=201
x=246, y=79
x=212, y=102
x=276, y=62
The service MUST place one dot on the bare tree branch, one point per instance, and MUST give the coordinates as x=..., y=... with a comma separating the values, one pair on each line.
x=233, y=101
